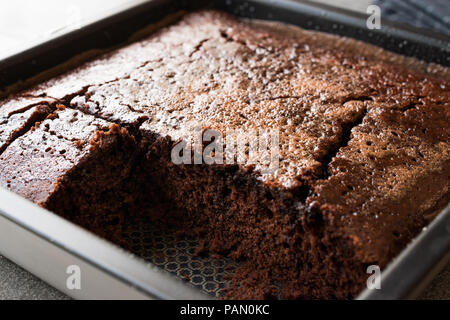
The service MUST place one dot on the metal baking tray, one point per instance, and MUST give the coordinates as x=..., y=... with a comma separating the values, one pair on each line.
x=160, y=265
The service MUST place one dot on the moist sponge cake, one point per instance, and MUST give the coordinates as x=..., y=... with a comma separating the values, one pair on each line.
x=74, y=165
x=364, y=148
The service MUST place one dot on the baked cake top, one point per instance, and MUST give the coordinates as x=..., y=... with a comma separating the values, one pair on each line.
x=213, y=71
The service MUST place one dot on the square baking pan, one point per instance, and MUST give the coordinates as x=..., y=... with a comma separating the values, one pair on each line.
x=159, y=265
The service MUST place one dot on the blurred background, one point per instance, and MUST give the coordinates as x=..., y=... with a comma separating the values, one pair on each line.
x=25, y=21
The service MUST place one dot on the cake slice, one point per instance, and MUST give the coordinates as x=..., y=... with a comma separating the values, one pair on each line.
x=74, y=165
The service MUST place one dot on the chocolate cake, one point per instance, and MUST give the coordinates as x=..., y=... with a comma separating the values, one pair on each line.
x=364, y=147
x=74, y=165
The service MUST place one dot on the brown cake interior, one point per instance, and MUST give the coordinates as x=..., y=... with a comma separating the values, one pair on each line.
x=75, y=166
x=98, y=192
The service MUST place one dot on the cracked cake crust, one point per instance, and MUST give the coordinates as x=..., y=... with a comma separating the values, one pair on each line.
x=74, y=165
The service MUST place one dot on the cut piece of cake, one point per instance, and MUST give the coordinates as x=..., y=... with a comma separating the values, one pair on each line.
x=74, y=165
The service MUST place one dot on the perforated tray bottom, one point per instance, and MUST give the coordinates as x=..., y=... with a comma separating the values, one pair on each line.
x=176, y=254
